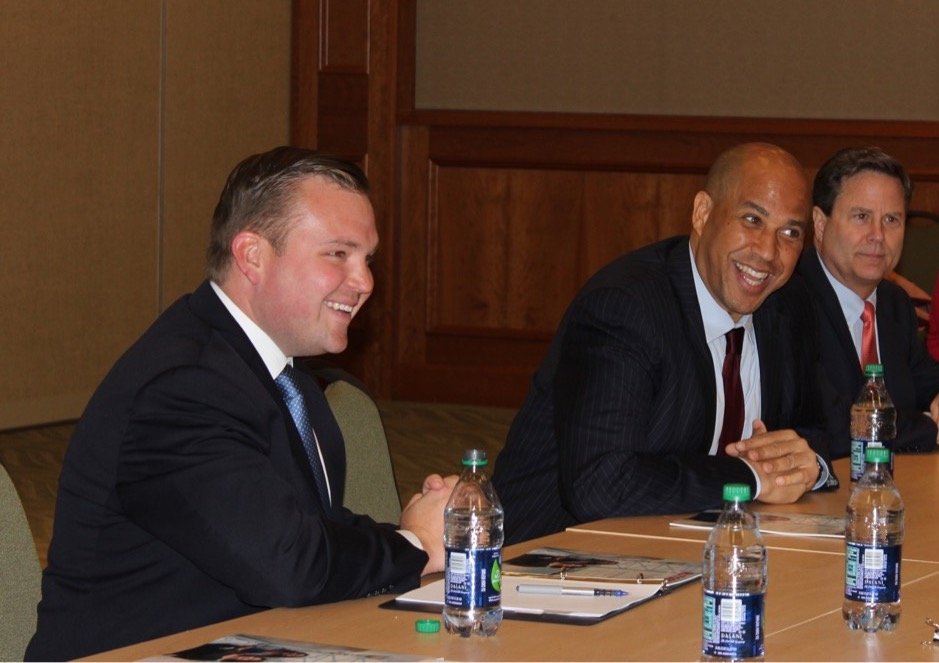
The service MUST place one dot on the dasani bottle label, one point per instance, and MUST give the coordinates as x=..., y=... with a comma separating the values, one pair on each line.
x=473, y=577
x=733, y=625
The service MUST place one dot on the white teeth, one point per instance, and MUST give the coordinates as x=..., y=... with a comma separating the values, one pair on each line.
x=345, y=308
x=755, y=277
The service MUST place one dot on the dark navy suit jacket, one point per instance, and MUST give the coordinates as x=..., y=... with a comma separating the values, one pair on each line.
x=620, y=415
x=911, y=375
x=186, y=498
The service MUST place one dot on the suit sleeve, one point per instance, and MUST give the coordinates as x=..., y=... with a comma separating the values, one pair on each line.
x=932, y=335
x=196, y=472
x=629, y=416
x=924, y=368
x=812, y=400
x=916, y=431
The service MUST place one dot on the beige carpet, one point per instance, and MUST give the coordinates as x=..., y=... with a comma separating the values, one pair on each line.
x=423, y=438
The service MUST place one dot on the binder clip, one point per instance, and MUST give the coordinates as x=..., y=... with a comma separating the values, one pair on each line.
x=935, y=636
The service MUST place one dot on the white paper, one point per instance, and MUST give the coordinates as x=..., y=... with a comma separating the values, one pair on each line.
x=544, y=604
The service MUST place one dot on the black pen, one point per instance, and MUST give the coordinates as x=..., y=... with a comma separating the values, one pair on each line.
x=559, y=590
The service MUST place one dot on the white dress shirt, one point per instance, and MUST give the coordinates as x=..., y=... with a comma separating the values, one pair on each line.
x=275, y=360
x=851, y=306
x=717, y=322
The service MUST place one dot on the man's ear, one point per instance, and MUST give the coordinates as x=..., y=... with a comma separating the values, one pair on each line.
x=247, y=255
x=819, y=221
x=701, y=211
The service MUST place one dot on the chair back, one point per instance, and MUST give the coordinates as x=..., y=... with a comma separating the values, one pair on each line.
x=918, y=262
x=20, y=574
x=370, y=486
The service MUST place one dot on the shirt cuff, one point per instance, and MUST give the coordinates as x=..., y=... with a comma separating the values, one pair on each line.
x=411, y=537
x=756, y=478
x=824, y=473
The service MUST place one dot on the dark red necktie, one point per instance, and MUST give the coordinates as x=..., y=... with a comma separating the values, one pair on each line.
x=732, y=428
x=868, y=336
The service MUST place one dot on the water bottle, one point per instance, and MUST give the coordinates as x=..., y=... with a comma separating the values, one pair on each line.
x=472, y=539
x=734, y=581
x=873, y=539
x=873, y=419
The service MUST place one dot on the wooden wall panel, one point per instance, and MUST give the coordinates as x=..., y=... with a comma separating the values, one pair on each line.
x=490, y=221
x=523, y=241
x=509, y=247
x=503, y=222
x=345, y=36
x=343, y=102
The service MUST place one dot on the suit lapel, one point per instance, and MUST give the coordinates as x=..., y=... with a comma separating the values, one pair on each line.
x=768, y=321
x=828, y=304
x=206, y=305
x=678, y=266
x=888, y=327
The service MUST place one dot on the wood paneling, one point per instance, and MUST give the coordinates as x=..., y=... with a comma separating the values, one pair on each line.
x=343, y=102
x=508, y=247
x=503, y=222
x=491, y=221
x=345, y=43
x=343, y=115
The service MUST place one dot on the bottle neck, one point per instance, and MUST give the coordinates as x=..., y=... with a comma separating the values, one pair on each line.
x=471, y=470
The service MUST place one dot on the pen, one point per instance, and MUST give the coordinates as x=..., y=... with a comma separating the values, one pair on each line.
x=558, y=590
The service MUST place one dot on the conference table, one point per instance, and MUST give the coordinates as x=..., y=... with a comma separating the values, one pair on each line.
x=803, y=604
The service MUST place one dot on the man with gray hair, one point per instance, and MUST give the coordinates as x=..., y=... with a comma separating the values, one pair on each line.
x=860, y=198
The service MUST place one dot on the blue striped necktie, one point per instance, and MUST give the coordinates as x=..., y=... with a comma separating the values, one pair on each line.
x=289, y=385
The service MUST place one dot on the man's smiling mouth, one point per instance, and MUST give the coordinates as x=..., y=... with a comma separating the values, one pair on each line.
x=751, y=276
x=345, y=308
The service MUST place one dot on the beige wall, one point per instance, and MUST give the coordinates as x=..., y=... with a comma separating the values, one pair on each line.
x=118, y=124
x=858, y=59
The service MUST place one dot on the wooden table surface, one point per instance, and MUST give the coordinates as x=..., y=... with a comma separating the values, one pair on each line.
x=803, y=617
x=917, y=477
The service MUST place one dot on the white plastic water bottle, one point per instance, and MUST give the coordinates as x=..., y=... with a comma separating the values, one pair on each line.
x=873, y=540
x=472, y=539
x=734, y=581
x=873, y=419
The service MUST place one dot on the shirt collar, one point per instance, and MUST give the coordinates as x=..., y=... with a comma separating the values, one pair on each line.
x=717, y=320
x=851, y=304
x=272, y=356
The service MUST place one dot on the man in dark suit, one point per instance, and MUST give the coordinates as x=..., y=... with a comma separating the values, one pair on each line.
x=625, y=415
x=197, y=486
x=860, y=198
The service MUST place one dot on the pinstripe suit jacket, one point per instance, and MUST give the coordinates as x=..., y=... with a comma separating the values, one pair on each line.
x=620, y=415
x=912, y=376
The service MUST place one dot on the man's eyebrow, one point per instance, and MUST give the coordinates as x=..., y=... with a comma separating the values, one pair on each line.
x=802, y=223
x=349, y=243
x=759, y=208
